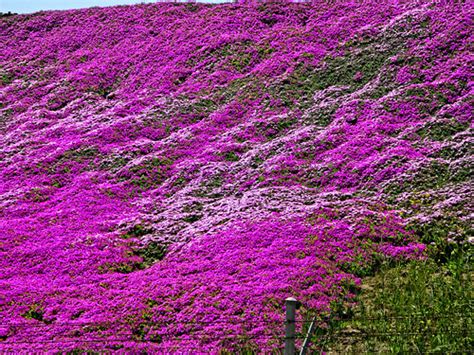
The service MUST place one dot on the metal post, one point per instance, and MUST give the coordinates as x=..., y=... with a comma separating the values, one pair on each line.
x=290, y=329
x=306, y=341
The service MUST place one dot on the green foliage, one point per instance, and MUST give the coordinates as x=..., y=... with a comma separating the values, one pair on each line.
x=343, y=70
x=241, y=62
x=124, y=267
x=440, y=131
x=192, y=7
x=7, y=78
x=231, y=156
x=192, y=218
x=435, y=175
x=152, y=252
x=137, y=231
x=37, y=195
x=323, y=117
x=386, y=83
x=256, y=162
x=102, y=91
x=114, y=163
x=352, y=70
x=409, y=306
x=242, y=54
x=273, y=129
x=141, y=332
x=82, y=158
x=195, y=206
x=417, y=307
x=36, y=312
x=238, y=55
x=207, y=187
x=196, y=110
x=451, y=152
x=430, y=99
x=77, y=314
x=264, y=51
x=80, y=154
x=362, y=267
x=150, y=173
x=446, y=237
x=136, y=257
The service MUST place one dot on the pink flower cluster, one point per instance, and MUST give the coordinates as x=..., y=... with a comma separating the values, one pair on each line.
x=170, y=173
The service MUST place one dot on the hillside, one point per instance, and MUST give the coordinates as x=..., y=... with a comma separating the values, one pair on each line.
x=170, y=173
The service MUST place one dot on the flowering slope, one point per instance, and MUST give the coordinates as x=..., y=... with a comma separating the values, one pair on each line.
x=169, y=173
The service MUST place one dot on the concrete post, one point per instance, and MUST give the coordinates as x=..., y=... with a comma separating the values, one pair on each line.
x=290, y=327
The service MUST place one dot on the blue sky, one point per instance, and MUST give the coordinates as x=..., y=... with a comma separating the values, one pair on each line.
x=27, y=6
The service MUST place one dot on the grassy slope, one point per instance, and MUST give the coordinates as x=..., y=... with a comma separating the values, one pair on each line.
x=415, y=307
x=150, y=173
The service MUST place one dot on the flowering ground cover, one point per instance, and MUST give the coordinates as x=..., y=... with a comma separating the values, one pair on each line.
x=170, y=173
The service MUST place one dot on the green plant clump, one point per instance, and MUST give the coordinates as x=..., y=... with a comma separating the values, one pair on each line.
x=416, y=307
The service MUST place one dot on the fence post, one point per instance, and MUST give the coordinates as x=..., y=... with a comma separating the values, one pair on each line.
x=291, y=305
x=304, y=347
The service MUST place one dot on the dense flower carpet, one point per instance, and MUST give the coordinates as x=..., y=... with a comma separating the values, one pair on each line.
x=170, y=173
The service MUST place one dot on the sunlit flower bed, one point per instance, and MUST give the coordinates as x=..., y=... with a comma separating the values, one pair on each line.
x=170, y=173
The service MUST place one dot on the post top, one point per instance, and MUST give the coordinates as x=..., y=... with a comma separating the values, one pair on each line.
x=291, y=299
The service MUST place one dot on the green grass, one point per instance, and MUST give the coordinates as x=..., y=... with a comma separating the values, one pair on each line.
x=416, y=307
x=7, y=78
x=441, y=131
x=152, y=253
x=434, y=175
x=34, y=312
x=137, y=231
